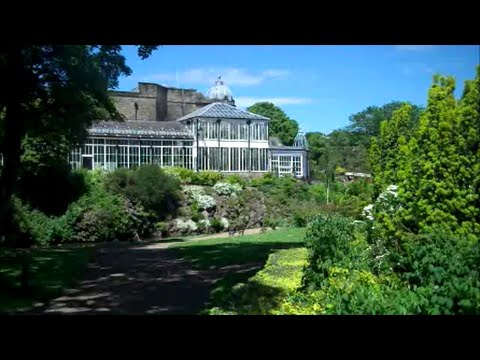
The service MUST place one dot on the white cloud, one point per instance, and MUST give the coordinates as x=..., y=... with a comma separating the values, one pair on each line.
x=245, y=101
x=414, y=47
x=207, y=76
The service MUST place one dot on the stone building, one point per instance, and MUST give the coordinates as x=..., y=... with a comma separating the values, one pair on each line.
x=184, y=128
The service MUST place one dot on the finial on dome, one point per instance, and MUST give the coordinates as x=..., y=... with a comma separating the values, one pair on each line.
x=220, y=91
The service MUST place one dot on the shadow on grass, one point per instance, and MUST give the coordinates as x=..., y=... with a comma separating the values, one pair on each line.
x=235, y=264
x=141, y=280
x=230, y=253
x=49, y=273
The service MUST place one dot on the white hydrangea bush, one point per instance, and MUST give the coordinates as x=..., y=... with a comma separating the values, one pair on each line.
x=192, y=191
x=223, y=188
x=205, y=222
x=197, y=194
x=224, y=223
x=387, y=201
x=205, y=202
x=186, y=226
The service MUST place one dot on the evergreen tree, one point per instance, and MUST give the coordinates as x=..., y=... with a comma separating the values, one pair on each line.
x=387, y=151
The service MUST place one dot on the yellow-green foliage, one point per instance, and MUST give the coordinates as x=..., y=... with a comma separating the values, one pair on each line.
x=283, y=269
x=345, y=291
x=270, y=287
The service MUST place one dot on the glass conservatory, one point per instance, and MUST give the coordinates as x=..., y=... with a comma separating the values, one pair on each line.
x=215, y=137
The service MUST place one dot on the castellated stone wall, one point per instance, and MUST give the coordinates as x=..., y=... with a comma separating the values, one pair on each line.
x=158, y=103
x=183, y=101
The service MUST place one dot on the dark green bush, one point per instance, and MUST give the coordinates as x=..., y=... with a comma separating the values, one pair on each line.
x=36, y=228
x=149, y=186
x=106, y=217
x=216, y=225
x=328, y=238
x=444, y=273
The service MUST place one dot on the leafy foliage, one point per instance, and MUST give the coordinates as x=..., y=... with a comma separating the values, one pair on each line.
x=328, y=239
x=149, y=186
x=52, y=95
x=262, y=293
x=281, y=125
x=368, y=121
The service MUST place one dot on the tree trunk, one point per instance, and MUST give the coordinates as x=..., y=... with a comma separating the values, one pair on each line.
x=13, y=132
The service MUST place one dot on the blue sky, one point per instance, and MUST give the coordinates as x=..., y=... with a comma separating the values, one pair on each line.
x=319, y=86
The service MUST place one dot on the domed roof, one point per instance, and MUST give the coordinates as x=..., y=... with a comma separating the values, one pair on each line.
x=220, y=91
x=300, y=140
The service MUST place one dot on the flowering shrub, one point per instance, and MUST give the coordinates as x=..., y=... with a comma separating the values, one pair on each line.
x=205, y=223
x=203, y=226
x=224, y=222
x=368, y=212
x=223, y=188
x=186, y=226
x=387, y=202
x=205, y=202
x=192, y=191
x=197, y=194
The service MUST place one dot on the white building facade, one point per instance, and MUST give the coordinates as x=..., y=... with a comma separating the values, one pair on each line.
x=214, y=137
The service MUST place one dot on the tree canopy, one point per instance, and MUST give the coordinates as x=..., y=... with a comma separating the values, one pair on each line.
x=368, y=121
x=281, y=125
x=52, y=95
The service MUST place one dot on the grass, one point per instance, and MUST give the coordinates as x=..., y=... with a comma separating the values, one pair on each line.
x=237, y=259
x=51, y=272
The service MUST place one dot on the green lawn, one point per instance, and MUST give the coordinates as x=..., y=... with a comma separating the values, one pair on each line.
x=241, y=258
x=51, y=271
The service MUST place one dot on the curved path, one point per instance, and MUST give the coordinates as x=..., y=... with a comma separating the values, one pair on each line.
x=140, y=279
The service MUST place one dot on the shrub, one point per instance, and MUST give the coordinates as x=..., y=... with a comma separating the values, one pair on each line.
x=196, y=214
x=37, y=228
x=161, y=228
x=266, y=179
x=443, y=272
x=193, y=191
x=273, y=222
x=216, y=225
x=207, y=178
x=106, y=217
x=205, y=202
x=328, y=239
x=183, y=175
x=223, y=188
x=263, y=292
x=149, y=186
x=236, y=179
x=204, y=226
x=303, y=212
x=186, y=226
x=225, y=223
